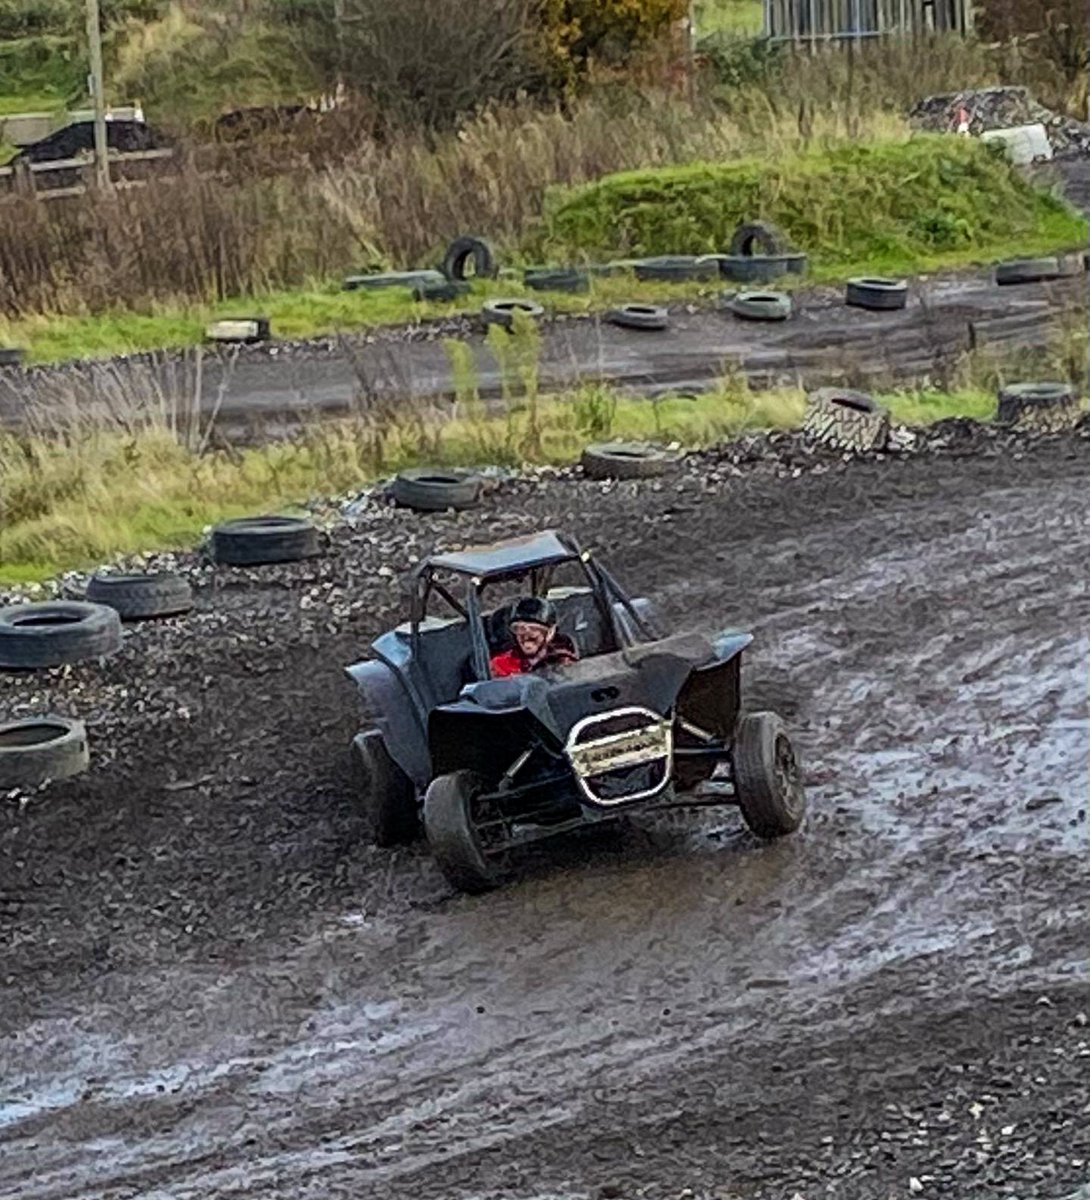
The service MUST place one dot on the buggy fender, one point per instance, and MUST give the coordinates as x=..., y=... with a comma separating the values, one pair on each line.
x=390, y=709
x=729, y=643
x=712, y=696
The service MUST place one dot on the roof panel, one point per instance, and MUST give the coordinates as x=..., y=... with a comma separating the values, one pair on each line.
x=500, y=558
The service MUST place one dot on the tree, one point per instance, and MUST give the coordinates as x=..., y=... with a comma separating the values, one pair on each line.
x=578, y=32
x=423, y=61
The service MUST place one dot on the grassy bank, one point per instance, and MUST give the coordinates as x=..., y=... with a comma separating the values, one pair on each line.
x=77, y=496
x=893, y=206
x=125, y=462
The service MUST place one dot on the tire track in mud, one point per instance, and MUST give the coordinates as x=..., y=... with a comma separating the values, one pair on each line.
x=466, y=1046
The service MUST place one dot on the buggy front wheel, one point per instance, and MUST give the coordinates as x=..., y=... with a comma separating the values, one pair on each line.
x=451, y=815
x=767, y=776
x=387, y=796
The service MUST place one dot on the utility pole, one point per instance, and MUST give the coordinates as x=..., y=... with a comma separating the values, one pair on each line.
x=98, y=99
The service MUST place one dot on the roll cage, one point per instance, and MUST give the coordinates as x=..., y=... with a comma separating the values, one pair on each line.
x=536, y=559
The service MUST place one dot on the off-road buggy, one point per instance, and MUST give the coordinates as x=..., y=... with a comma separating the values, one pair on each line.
x=483, y=765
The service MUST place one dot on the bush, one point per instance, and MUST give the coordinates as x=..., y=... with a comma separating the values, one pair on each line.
x=876, y=203
x=579, y=33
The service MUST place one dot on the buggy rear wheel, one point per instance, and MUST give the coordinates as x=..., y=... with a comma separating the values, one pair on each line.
x=767, y=776
x=386, y=793
x=451, y=816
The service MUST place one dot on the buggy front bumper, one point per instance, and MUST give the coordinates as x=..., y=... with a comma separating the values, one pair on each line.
x=621, y=757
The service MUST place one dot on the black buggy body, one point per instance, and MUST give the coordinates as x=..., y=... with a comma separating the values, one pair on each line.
x=488, y=764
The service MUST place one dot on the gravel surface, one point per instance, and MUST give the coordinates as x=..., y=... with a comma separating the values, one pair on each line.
x=211, y=985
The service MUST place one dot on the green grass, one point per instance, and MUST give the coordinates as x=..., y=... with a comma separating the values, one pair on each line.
x=83, y=496
x=881, y=207
x=26, y=102
x=737, y=17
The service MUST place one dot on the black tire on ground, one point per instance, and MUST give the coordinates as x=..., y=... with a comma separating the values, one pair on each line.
x=1027, y=270
x=502, y=312
x=437, y=489
x=639, y=316
x=386, y=794
x=762, y=306
x=452, y=837
x=449, y=289
x=677, y=268
x=761, y=268
x=556, y=279
x=757, y=237
x=134, y=597
x=11, y=356
x=256, y=541
x=626, y=460
x=767, y=776
x=38, y=749
x=464, y=249
x=56, y=632
x=877, y=294
x=1042, y=407
x=846, y=419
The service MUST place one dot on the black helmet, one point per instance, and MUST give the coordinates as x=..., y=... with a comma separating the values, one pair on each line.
x=533, y=610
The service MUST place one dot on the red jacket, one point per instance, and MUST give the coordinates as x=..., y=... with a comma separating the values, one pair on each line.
x=560, y=652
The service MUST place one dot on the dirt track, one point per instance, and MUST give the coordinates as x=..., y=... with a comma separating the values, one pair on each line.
x=213, y=987
x=824, y=342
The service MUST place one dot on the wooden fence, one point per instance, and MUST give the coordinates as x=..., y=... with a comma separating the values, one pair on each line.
x=72, y=176
x=813, y=21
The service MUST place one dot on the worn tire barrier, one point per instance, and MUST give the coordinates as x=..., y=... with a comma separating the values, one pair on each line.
x=386, y=279
x=876, y=294
x=257, y=541
x=437, y=489
x=40, y=749
x=464, y=250
x=678, y=268
x=559, y=279
x=761, y=268
x=1027, y=270
x=12, y=356
x=502, y=312
x=627, y=460
x=761, y=306
x=441, y=292
x=639, y=316
x=137, y=597
x=1039, y=407
x=757, y=237
x=846, y=419
x=57, y=632
x=244, y=330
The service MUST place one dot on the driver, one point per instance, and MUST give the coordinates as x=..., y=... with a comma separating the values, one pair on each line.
x=536, y=641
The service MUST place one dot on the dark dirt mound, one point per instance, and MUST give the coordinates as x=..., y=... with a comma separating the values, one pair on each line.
x=125, y=136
